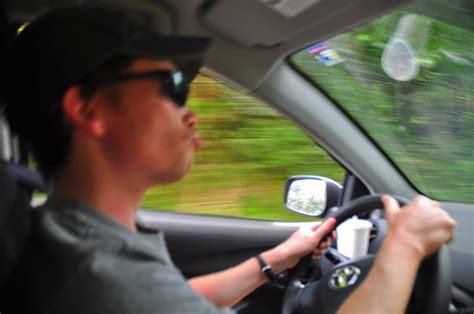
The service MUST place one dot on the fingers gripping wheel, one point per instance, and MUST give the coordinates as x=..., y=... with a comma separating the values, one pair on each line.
x=361, y=205
x=307, y=293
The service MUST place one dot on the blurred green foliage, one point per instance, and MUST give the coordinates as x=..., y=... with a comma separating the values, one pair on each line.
x=426, y=125
x=250, y=151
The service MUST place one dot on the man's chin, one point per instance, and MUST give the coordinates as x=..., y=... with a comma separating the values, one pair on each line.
x=175, y=176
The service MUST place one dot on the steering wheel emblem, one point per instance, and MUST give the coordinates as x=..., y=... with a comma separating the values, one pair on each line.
x=344, y=277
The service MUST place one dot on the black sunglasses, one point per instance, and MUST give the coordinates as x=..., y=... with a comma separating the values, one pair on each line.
x=173, y=84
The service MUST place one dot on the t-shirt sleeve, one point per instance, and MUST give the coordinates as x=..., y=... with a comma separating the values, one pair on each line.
x=132, y=283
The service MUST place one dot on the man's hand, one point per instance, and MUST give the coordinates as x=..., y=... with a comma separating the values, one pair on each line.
x=421, y=225
x=227, y=287
x=305, y=241
x=415, y=231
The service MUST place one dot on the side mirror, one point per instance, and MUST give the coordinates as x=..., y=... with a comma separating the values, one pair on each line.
x=311, y=195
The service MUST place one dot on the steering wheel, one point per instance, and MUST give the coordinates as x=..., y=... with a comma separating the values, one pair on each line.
x=308, y=292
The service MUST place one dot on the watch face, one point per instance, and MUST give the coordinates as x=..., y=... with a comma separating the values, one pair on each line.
x=266, y=269
x=344, y=277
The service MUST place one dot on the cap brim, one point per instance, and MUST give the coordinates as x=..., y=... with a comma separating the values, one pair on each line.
x=188, y=52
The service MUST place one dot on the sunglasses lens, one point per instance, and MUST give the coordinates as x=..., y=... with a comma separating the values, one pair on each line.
x=178, y=78
x=182, y=96
x=176, y=89
x=173, y=84
x=180, y=88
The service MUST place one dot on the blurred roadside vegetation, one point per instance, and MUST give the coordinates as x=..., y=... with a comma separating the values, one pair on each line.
x=426, y=125
x=249, y=152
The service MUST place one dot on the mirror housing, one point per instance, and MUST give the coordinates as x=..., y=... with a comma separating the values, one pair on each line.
x=311, y=195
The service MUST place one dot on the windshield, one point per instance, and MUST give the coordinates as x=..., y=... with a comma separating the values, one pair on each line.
x=408, y=80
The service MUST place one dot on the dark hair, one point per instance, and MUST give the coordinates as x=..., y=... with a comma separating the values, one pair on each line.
x=50, y=135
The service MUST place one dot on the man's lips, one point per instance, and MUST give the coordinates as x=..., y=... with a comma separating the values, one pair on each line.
x=197, y=141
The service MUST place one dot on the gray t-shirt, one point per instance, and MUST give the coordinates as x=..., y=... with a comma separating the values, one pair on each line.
x=80, y=261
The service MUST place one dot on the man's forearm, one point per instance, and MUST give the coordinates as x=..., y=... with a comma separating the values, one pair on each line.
x=229, y=286
x=388, y=286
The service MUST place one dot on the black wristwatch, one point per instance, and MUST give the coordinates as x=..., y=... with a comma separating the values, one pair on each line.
x=267, y=271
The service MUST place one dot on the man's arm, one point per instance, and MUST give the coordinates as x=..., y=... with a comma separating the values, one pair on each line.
x=388, y=286
x=415, y=232
x=228, y=287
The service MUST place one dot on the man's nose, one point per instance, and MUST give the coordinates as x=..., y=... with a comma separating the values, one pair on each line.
x=190, y=118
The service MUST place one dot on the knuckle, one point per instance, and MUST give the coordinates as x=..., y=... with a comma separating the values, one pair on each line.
x=418, y=198
x=422, y=200
x=452, y=224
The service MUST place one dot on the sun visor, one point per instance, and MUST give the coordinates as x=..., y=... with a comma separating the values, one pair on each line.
x=266, y=23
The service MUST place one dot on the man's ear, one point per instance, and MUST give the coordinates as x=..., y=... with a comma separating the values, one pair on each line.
x=83, y=114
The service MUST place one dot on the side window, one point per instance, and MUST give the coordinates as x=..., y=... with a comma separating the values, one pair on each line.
x=249, y=152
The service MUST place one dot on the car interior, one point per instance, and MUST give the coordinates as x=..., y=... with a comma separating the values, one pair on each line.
x=252, y=44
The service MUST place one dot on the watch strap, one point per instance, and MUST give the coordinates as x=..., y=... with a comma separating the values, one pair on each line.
x=266, y=269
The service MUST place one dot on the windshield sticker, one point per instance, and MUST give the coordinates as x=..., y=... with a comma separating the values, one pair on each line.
x=289, y=8
x=325, y=55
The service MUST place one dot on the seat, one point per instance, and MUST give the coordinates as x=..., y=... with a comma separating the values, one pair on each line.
x=14, y=222
x=17, y=184
x=15, y=210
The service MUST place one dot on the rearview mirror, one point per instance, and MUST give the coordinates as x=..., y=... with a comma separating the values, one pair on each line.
x=311, y=195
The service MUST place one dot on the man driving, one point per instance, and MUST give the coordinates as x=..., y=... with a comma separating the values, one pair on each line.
x=101, y=98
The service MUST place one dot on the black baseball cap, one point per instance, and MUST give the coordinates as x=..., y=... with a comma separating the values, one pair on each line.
x=58, y=49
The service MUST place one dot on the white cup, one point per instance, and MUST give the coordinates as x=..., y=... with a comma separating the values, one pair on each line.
x=353, y=237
